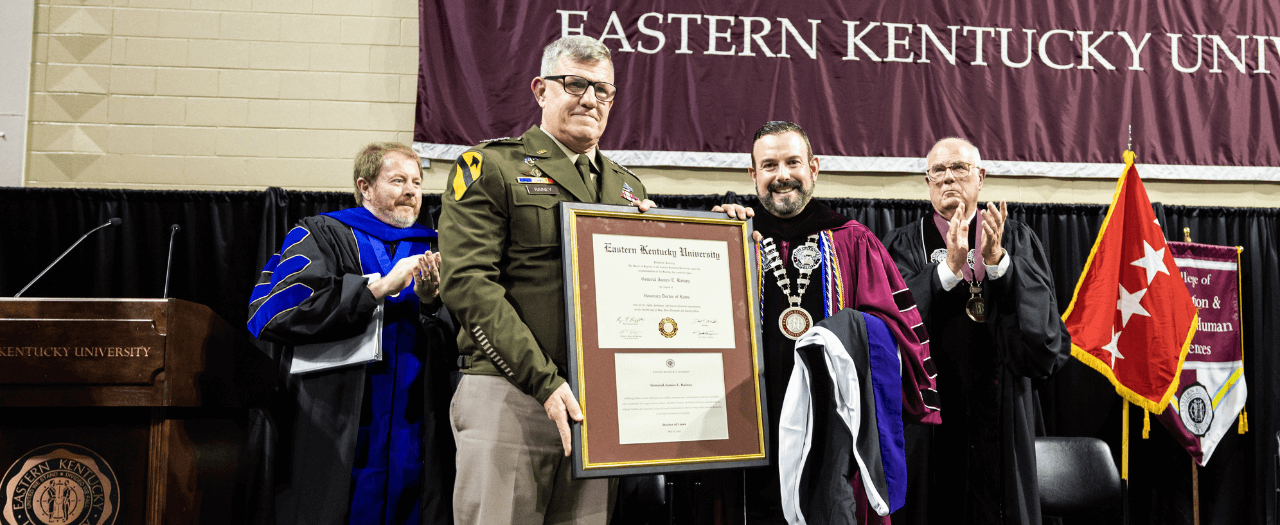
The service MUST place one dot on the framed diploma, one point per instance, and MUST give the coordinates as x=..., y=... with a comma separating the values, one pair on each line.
x=662, y=313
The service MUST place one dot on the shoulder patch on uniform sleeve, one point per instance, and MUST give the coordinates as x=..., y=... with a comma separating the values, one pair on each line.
x=466, y=172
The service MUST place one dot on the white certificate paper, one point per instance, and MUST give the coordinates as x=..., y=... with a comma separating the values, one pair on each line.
x=657, y=292
x=664, y=398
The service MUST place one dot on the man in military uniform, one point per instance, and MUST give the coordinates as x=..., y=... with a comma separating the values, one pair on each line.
x=504, y=283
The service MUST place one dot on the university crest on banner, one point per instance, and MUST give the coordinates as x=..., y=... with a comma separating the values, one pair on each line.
x=1131, y=317
x=1212, y=389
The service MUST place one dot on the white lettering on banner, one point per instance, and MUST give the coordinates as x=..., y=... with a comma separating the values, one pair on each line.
x=1004, y=47
x=1216, y=327
x=662, y=38
x=1088, y=49
x=684, y=31
x=1173, y=51
x=1262, y=56
x=1136, y=50
x=810, y=48
x=1219, y=43
x=748, y=36
x=857, y=41
x=978, y=61
x=620, y=35
x=905, y=41
x=926, y=31
x=887, y=41
x=565, y=28
x=714, y=35
x=1044, y=57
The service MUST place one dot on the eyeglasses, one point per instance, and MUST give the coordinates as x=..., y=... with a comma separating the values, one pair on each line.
x=576, y=86
x=959, y=170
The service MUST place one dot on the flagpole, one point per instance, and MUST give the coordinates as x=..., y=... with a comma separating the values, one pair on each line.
x=1124, y=462
x=1195, y=469
x=1195, y=492
x=1124, y=430
x=1124, y=442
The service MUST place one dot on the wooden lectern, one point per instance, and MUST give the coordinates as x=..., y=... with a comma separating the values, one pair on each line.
x=149, y=385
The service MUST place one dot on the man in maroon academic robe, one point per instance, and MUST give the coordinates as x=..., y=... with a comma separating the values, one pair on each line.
x=847, y=267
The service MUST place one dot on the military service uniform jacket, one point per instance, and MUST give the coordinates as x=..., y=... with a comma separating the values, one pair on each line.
x=503, y=276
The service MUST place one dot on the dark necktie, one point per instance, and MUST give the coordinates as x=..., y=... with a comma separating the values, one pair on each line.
x=584, y=169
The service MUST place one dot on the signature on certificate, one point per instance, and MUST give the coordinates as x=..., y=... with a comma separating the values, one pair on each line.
x=630, y=321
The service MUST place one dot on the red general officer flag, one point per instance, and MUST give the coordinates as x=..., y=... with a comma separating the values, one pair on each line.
x=1132, y=318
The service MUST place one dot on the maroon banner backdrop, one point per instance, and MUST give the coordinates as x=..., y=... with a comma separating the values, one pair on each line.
x=1046, y=87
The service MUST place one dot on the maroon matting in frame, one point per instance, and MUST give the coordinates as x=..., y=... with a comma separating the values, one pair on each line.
x=597, y=448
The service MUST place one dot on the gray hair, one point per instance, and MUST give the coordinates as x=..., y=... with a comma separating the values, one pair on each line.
x=578, y=48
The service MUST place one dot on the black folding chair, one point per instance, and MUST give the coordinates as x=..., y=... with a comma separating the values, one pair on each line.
x=1077, y=477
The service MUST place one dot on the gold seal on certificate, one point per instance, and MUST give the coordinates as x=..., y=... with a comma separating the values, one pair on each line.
x=667, y=327
x=794, y=322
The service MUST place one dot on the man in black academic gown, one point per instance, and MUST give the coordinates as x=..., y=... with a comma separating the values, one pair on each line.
x=984, y=290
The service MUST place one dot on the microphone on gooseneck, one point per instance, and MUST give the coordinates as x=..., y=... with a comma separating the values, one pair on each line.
x=173, y=230
x=115, y=221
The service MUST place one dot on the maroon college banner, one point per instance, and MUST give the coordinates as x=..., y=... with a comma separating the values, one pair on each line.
x=1212, y=389
x=1044, y=88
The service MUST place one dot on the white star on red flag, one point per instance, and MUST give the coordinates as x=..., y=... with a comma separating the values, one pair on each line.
x=1153, y=261
x=1113, y=348
x=1130, y=304
x=1111, y=292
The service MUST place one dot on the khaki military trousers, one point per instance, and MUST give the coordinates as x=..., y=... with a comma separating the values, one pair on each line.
x=511, y=465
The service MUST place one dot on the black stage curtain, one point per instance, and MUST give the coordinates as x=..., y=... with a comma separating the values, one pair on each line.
x=226, y=237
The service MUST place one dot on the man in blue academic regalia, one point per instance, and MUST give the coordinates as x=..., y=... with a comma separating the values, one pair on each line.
x=368, y=442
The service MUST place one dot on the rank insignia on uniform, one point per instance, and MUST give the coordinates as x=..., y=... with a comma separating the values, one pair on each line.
x=624, y=168
x=541, y=152
x=535, y=180
x=466, y=172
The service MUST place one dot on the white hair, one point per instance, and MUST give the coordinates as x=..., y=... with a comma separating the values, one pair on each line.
x=977, y=156
x=578, y=48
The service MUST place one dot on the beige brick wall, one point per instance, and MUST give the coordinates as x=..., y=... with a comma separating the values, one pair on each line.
x=245, y=94
x=217, y=94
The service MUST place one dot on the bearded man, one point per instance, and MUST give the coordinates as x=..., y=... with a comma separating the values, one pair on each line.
x=814, y=262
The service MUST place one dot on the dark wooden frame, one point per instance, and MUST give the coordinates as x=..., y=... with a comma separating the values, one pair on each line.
x=578, y=222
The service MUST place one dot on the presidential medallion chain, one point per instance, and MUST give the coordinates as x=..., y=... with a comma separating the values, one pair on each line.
x=794, y=321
